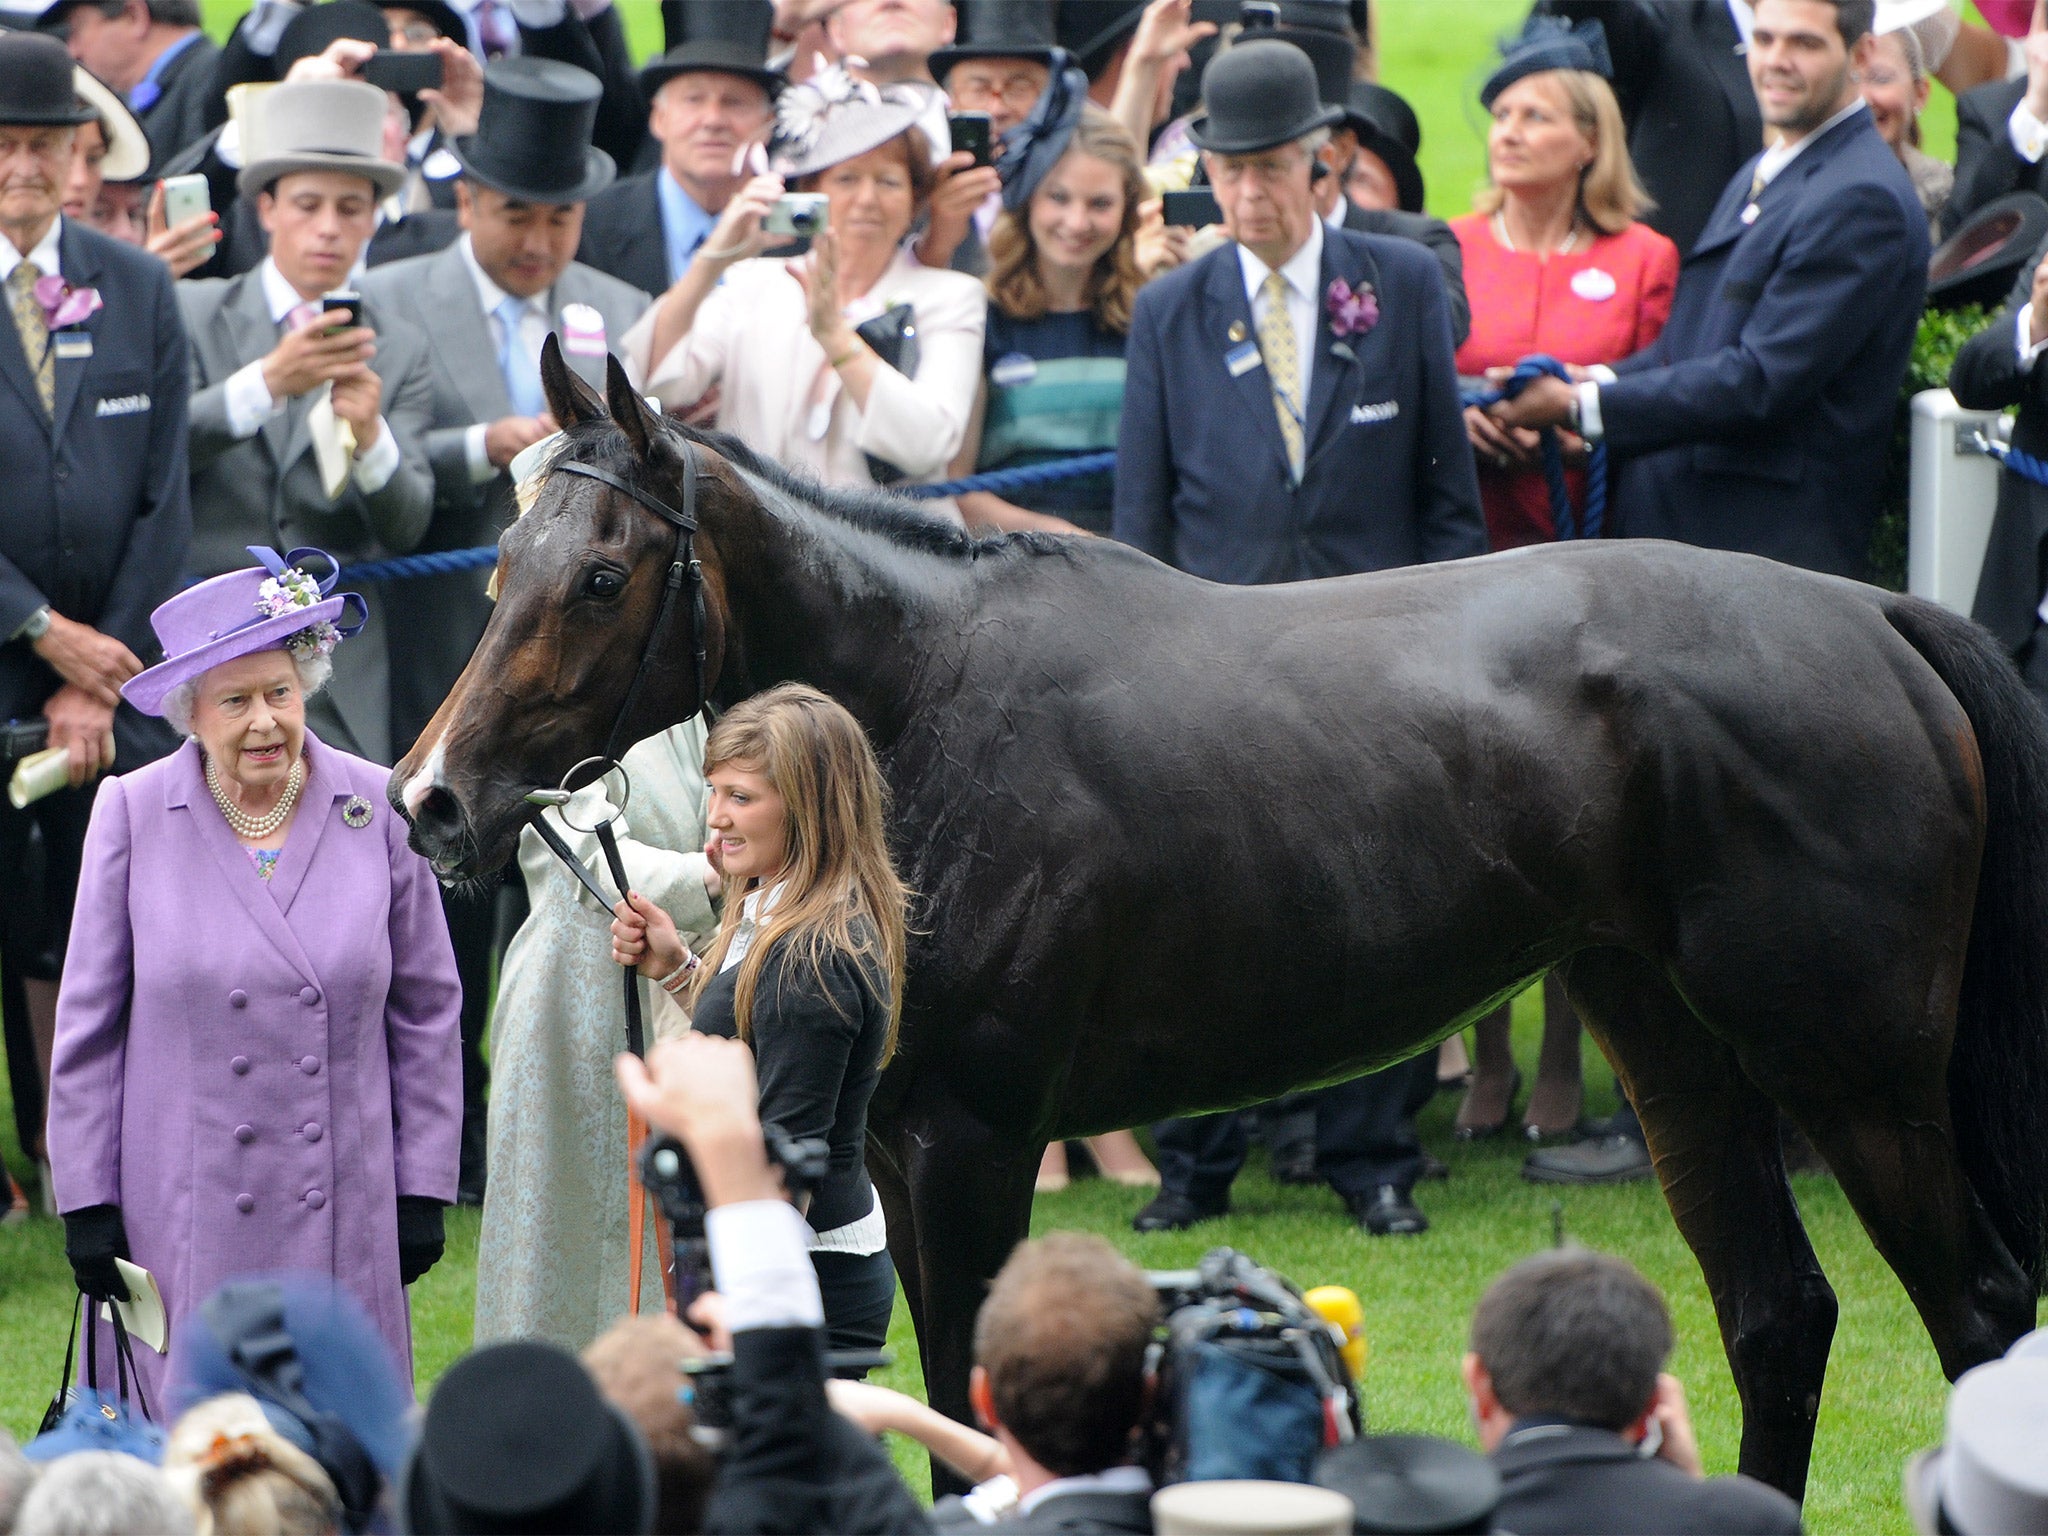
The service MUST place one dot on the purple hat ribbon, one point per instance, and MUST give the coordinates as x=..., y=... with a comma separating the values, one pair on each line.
x=292, y=585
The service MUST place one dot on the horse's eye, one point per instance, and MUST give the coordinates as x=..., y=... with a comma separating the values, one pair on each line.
x=603, y=584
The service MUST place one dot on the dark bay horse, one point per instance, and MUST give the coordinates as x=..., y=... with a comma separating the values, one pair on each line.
x=1182, y=847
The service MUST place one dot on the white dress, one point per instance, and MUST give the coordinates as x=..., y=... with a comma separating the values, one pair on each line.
x=552, y=1260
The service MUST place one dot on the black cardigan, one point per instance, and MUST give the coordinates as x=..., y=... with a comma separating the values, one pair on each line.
x=818, y=1053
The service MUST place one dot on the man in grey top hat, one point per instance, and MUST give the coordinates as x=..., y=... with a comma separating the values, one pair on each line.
x=92, y=434
x=287, y=392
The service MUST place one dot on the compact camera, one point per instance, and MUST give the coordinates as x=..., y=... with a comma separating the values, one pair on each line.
x=800, y=214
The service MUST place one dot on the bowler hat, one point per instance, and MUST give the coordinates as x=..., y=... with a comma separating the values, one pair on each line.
x=1989, y=251
x=726, y=37
x=1385, y=126
x=307, y=34
x=127, y=157
x=1000, y=29
x=233, y=615
x=1259, y=94
x=36, y=84
x=317, y=125
x=1412, y=1484
x=532, y=140
x=517, y=1438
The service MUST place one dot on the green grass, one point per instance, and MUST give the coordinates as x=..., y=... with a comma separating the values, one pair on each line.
x=1885, y=1392
x=1884, y=1396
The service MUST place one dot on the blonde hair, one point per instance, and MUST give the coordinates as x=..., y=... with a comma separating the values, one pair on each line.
x=839, y=889
x=1014, y=285
x=242, y=1478
x=1610, y=196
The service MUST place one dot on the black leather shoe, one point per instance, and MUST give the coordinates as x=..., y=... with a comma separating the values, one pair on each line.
x=1604, y=1160
x=1387, y=1212
x=1434, y=1168
x=1169, y=1212
x=1295, y=1163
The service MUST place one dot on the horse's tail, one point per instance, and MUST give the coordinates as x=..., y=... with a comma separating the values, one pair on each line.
x=1998, y=1071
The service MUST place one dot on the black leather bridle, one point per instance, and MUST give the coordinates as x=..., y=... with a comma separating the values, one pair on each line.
x=683, y=566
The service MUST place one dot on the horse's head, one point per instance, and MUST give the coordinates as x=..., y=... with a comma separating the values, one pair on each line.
x=571, y=664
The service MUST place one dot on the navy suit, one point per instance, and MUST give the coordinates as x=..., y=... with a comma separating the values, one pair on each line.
x=1202, y=479
x=1203, y=483
x=1758, y=420
x=97, y=522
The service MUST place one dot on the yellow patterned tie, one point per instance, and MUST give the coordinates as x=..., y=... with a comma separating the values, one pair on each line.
x=35, y=331
x=1283, y=364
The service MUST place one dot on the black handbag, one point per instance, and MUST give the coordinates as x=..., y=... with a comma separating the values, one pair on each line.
x=891, y=336
x=83, y=1418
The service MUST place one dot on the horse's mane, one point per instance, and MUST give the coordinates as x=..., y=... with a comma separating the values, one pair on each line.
x=602, y=443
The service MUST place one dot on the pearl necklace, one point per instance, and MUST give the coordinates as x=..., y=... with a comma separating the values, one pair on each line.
x=256, y=828
x=1500, y=232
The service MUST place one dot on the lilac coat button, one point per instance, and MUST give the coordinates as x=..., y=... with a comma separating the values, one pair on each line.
x=315, y=1199
x=313, y=1132
x=245, y=1203
x=309, y=1065
x=309, y=995
x=238, y=998
x=239, y=1066
x=245, y=1134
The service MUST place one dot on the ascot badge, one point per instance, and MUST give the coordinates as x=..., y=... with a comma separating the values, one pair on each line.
x=356, y=812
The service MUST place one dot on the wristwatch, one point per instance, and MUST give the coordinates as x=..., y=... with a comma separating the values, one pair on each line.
x=35, y=626
x=1572, y=411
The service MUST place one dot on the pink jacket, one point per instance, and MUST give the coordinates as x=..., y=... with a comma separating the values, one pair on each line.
x=253, y=1071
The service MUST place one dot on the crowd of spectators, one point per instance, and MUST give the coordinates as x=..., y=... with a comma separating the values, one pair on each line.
x=893, y=242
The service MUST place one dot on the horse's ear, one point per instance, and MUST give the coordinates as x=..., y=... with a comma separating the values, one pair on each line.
x=570, y=400
x=642, y=427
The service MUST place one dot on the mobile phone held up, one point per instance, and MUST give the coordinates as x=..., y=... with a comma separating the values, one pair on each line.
x=1193, y=209
x=342, y=310
x=185, y=197
x=402, y=71
x=801, y=214
x=973, y=132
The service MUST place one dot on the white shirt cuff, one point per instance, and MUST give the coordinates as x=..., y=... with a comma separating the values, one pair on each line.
x=2028, y=133
x=248, y=400
x=760, y=1256
x=1590, y=427
x=375, y=466
x=2023, y=327
x=481, y=469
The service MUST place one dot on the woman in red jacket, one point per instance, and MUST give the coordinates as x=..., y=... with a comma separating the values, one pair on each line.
x=1555, y=262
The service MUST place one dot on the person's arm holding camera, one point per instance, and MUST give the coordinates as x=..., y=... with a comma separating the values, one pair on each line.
x=737, y=236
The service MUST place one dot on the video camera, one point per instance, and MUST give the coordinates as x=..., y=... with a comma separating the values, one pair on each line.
x=670, y=1176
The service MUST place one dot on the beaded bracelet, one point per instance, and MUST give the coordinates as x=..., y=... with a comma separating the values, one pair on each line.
x=673, y=981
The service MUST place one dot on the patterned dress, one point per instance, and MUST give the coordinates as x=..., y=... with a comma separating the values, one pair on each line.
x=553, y=1258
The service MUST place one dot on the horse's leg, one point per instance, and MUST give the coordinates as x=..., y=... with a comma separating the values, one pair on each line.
x=970, y=1200
x=1714, y=1135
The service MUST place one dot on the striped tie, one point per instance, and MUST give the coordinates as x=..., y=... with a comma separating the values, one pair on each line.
x=1283, y=364
x=30, y=321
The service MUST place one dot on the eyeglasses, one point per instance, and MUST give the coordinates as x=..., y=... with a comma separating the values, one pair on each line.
x=970, y=91
x=1267, y=170
x=418, y=34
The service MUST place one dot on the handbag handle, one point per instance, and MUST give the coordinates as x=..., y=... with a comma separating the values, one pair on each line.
x=124, y=1362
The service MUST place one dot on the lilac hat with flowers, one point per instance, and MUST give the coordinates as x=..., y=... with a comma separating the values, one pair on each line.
x=835, y=116
x=275, y=606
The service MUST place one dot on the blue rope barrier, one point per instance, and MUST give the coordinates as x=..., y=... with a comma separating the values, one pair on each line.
x=1539, y=366
x=442, y=562
x=2025, y=465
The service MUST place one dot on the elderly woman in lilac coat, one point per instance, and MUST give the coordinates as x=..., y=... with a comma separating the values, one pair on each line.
x=257, y=1066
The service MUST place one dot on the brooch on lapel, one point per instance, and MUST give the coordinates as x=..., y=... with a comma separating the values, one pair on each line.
x=356, y=812
x=1236, y=333
x=1352, y=312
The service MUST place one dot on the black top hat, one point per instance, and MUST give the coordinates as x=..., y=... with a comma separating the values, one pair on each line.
x=532, y=139
x=1988, y=252
x=446, y=19
x=1000, y=29
x=35, y=83
x=1318, y=15
x=309, y=32
x=1412, y=1484
x=1092, y=30
x=1259, y=94
x=1334, y=55
x=727, y=37
x=518, y=1439
x=1385, y=125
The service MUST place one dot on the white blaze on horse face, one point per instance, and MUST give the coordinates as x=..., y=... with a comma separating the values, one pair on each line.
x=428, y=778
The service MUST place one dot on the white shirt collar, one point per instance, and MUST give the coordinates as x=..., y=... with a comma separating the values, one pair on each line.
x=44, y=254
x=1778, y=156
x=1744, y=16
x=759, y=903
x=1111, y=1480
x=1301, y=269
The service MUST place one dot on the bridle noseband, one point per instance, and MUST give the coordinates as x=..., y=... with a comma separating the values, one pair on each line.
x=683, y=563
